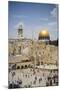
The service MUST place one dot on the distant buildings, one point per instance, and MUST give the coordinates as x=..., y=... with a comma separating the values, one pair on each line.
x=32, y=51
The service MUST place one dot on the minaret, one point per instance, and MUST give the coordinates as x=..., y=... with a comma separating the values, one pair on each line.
x=20, y=31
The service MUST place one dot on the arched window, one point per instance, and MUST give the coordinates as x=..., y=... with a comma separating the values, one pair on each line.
x=14, y=67
x=18, y=67
x=41, y=63
x=25, y=66
x=22, y=67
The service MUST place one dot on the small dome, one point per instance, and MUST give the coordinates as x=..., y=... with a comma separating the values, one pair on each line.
x=44, y=35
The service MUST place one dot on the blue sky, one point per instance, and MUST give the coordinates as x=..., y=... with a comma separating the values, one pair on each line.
x=35, y=17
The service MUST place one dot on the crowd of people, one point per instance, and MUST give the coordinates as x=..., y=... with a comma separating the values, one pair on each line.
x=32, y=77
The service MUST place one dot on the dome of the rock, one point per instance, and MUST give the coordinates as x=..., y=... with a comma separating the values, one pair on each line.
x=44, y=35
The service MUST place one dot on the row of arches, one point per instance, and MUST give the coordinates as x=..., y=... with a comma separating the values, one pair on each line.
x=21, y=66
x=24, y=66
x=14, y=67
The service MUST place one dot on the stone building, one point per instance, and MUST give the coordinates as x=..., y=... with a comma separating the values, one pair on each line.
x=32, y=52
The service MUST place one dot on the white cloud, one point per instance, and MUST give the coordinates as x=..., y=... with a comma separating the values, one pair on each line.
x=44, y=19
x=52, y=23
x=54, y=12
x=19, y=16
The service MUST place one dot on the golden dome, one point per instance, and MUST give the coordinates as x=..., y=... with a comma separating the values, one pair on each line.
x=44, y=35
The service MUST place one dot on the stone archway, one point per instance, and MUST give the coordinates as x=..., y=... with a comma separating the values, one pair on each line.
x=29, y=65
x=41, y=63
x=26, y=66
x=22, y=67
x=18, y=67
